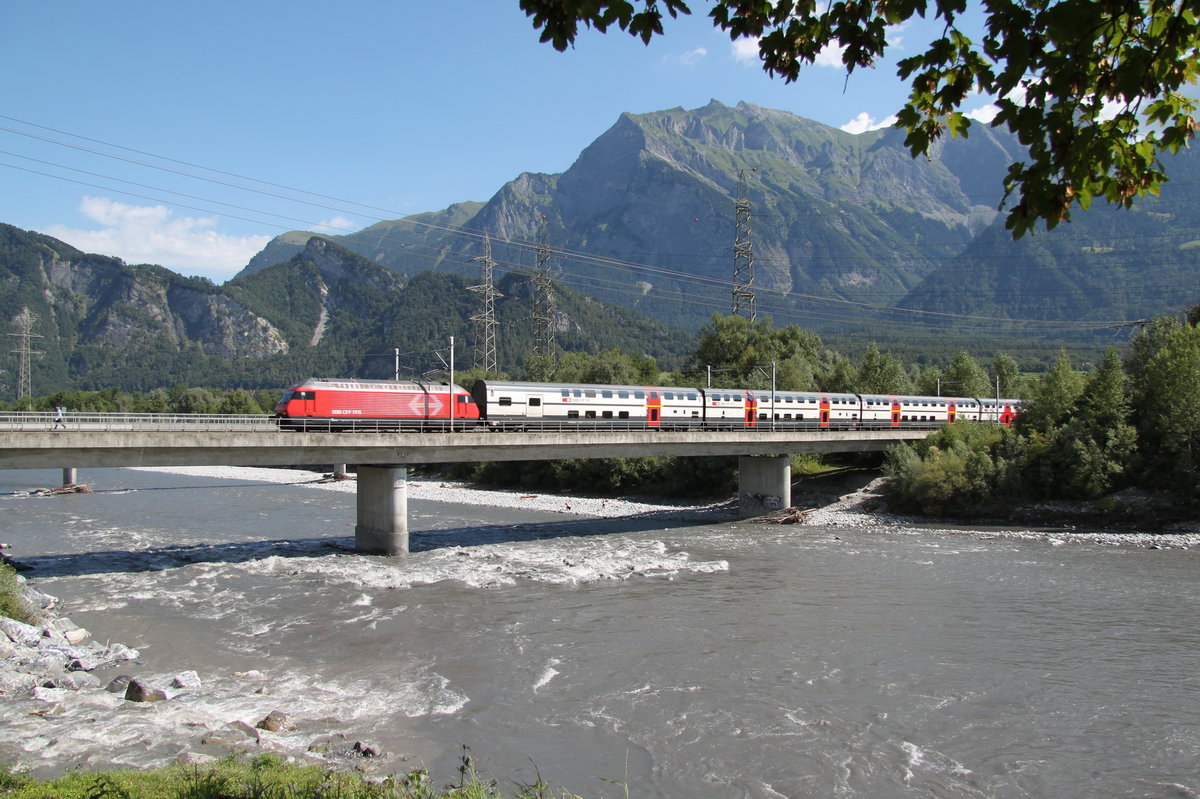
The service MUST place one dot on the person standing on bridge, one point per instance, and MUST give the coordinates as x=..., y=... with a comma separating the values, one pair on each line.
x=58, y=418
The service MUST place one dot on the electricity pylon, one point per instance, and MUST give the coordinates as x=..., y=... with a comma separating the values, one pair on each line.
x=485, y=319
x=24, y=322
x=743, y=254
x=543, y=298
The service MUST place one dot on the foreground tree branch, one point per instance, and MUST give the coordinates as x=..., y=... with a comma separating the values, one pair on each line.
x=1092, y=88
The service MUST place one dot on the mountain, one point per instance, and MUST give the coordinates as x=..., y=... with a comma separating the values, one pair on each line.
x=102, y=323
x=650, y=203
x=845, y=228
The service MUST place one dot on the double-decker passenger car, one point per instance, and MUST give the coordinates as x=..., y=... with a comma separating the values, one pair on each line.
x=317, y=404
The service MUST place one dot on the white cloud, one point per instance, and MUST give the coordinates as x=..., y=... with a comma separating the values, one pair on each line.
x=149, y=234
x=865, y=122
x=745, y=50
x=337, y=226
x=830, y=56
x=693, y=57
x=985, y=113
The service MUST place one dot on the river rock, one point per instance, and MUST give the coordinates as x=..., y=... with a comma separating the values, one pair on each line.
x=276, y=721
x=118, y=684
x=244, y=728
x=186, y=679
x=19, y=632
x=138, y=691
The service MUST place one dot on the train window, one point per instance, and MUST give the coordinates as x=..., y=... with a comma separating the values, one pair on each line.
x=535, y=402
x=578, y=393
x=606, y=394
x=608, y=414
x=639, y=395
x=669, y=395
x=463, y=399
x=653, y=395
x=504, y=402
x=566, y=392
x=622, y=395
x=589, y=394
x=693, y=396
x=623, y=415
x=589, y=414
x=572, y=414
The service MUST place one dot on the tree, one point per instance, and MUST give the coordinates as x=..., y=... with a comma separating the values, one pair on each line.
x=881, y=373
x=1053, y=398
x=739, y=352
x=1092, y=88
x=966, y=378
x=1167, y=416
x=1008, y=374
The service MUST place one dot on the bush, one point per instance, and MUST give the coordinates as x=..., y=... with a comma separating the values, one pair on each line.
x=12, y=597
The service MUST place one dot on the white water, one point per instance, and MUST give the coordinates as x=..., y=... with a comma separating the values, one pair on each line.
x=688, y=659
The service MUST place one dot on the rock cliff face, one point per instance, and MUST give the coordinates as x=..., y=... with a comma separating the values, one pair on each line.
x=844, y=229
x=102, y=323
x=833, y=213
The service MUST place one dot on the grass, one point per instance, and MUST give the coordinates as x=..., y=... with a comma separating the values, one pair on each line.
x=12, y=597
x=262, y=777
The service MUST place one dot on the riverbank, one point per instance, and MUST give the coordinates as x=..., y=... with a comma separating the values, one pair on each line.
x=857, y=500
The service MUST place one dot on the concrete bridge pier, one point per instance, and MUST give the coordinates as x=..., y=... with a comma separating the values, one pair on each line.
x=764, y=484
x=382, y=527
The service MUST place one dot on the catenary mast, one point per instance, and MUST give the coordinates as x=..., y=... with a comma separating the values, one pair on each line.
x=743, y=254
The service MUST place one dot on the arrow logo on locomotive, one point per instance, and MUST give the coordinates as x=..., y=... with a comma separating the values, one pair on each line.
x=420, y=404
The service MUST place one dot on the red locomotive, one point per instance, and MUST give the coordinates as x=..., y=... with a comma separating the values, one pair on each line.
x=317, y=404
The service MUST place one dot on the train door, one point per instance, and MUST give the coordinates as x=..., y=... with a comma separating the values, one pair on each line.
x=1007, y=415
x=533, y=407
x=653, y=409
x=951, y=413
x=305, y=403
x=751, y=410
x=895, y=413
x=824, y=417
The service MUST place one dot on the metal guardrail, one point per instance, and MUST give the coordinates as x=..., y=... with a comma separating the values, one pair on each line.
x=83, y=421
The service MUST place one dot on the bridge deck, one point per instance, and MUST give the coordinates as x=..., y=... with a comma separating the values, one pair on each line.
x=86, y=449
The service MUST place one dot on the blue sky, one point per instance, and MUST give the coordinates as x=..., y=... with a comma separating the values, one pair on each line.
x=188, y=135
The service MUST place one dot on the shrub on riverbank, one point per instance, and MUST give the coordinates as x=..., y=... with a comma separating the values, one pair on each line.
x=261, y=777
x=12, y=596
x=1124, y=426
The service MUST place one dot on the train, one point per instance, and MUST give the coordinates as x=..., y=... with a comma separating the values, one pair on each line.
x=321, y=404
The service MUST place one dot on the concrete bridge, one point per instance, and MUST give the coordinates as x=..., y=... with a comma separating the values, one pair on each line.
x=383, y=458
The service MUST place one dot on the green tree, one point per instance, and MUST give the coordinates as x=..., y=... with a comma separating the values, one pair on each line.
x=966, y=378
x=740, y=352
x=1167, y=416
x=881, y=373
x=1054, y=397
x=1094, y=89
x=1007, y=373
x=1094, y=449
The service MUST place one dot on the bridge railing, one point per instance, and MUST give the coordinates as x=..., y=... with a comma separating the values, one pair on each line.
x=39, y=421
x=85, y=421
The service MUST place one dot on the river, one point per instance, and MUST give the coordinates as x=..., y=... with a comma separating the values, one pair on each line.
x=679, y=659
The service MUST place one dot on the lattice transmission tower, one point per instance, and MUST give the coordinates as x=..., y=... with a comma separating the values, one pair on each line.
x=744, y=301
x=24, y=322
x=543, y=297
x=485, y=319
